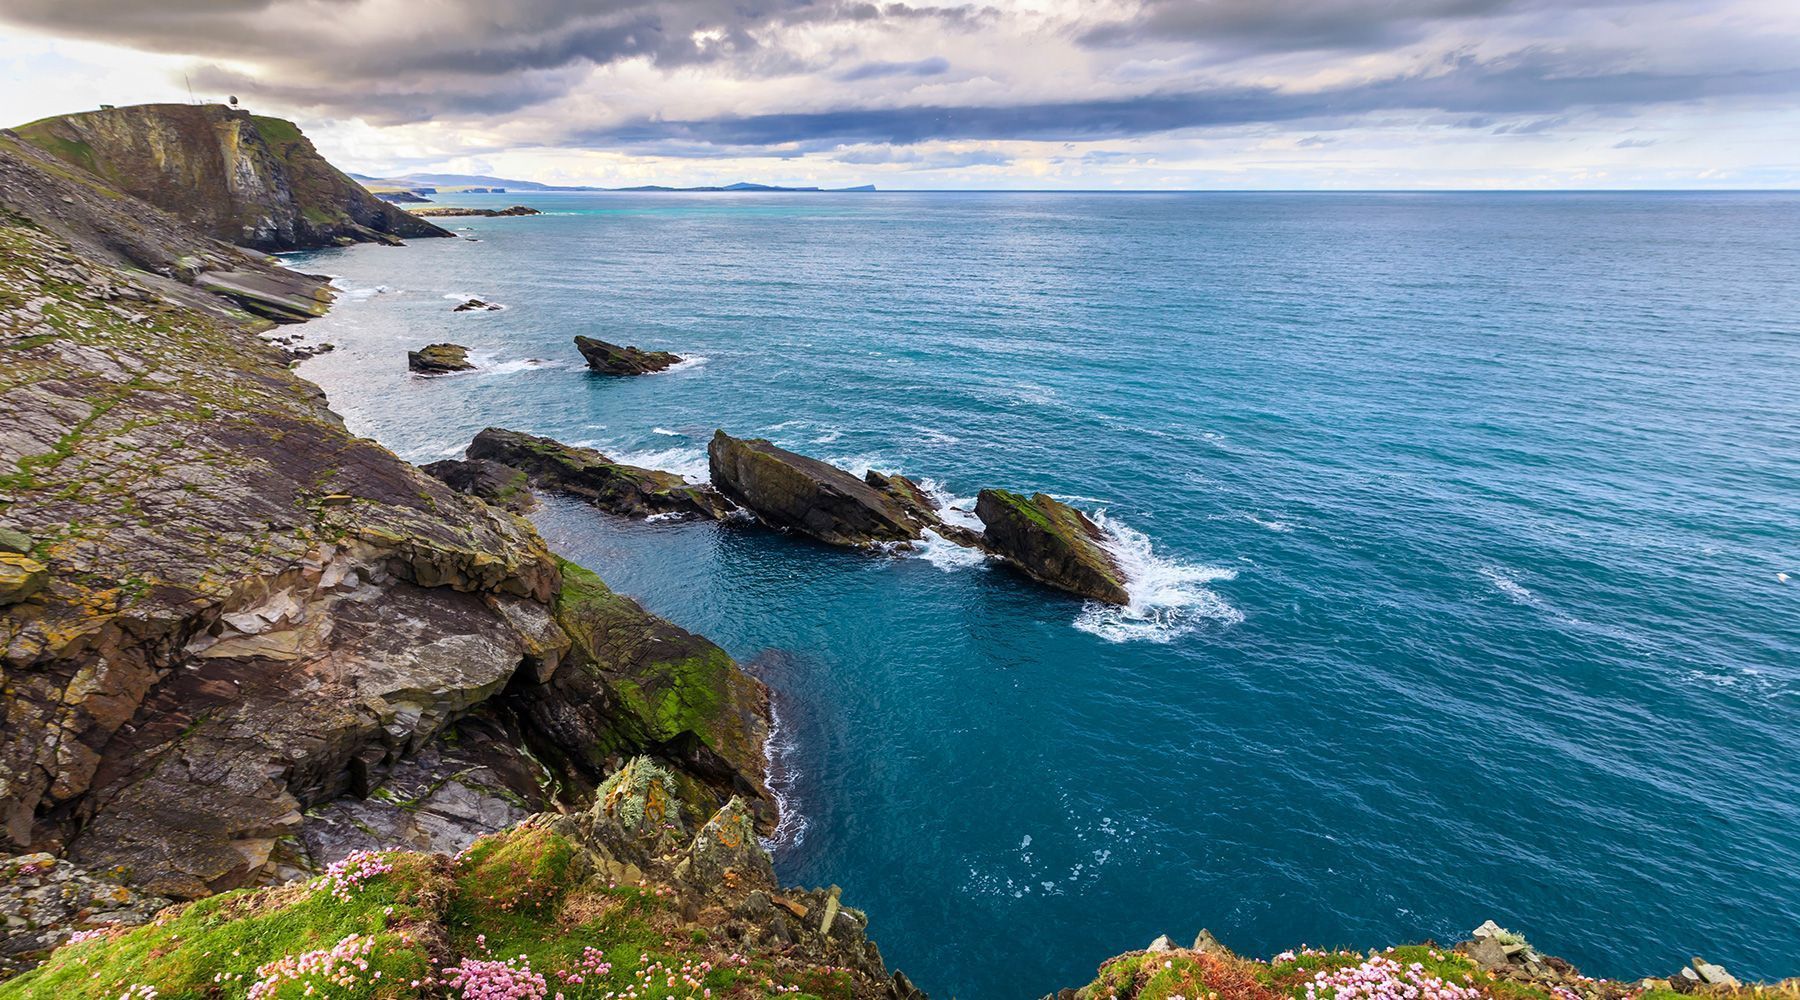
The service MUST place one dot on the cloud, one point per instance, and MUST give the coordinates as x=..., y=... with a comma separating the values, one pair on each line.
x=1533, y=82
x=934, y=66
x=1634, y=144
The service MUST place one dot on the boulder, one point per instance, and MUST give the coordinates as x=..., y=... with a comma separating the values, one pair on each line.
x=611, y=359
x=476, y=305
x=439, y=359
x=806, y=495
x=726, y=852
x=586, y=473
x=1052, y=543
x=494, y=482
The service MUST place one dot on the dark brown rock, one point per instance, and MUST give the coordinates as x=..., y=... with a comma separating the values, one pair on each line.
x=806, y=495
x=476, y=305
x=586, y=473
x=1052, y=543
x=450, y=212
x=611, y=359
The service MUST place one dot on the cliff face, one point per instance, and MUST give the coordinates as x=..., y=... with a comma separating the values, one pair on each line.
x=246, y=179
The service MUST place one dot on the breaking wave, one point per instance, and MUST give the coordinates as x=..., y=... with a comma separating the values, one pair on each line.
x=1169, y=598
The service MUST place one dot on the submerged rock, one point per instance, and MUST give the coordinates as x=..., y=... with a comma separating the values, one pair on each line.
x=806, y=495
x=586, y=473
x=439, y=359
x=611, y=359
x=1052, y=543
x=476, y=305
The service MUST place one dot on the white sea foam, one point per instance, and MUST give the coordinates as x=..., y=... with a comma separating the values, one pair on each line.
x=1169, y=598
x=859, y=465
x=945, y=554
x=670, y=515
x=685, y=364
x=829, y=436
x=665, y=432
x=931, y=435
x=688, y=463
x=1510, y=587
x=520, y=365
x=779, y=751
x=1281, y=526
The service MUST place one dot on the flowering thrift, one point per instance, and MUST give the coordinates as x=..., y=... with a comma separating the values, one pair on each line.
x=1381, y=978
x=357, y=867
x=343, y=965
x=480, y=979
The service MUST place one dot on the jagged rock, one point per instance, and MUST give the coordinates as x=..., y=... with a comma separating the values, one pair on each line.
x=439, y=359
x=1207, y=944
x=448, y=212
x=1713, y=975
x=1052, y=543
x=806, y=495
x=20, y=577
x=1162, y=943
x=611, y=359
x=586, y=473
x=476, y=305
x=247, y=179
x=45, y=900
x=495, y=482
x=636, y=815
x=15, y=541
x=910, y=496
x=726, y=852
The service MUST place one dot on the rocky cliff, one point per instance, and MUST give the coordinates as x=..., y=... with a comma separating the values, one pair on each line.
x=237, y=640
x=242, y=178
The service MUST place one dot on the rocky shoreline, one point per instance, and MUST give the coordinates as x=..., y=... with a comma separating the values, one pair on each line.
x=287, y=716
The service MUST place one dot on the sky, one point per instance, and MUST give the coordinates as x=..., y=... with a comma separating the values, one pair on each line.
x=1088, y=94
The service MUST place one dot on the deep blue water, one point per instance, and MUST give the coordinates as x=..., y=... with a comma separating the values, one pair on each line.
x=1457, y=523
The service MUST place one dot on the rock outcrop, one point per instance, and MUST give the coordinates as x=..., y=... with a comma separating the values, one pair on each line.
x=805, y=495
x=611, y=359
x=623, y=897
x=1052, y=543
x=498, y=484
x=476, y=305
x=246, y=179
x=439, y=359
x=45, y=901
x=590, y=475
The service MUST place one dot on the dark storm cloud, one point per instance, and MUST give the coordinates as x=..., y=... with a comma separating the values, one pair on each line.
x=455, y=56
x=1241, y=27
x=1530, y=84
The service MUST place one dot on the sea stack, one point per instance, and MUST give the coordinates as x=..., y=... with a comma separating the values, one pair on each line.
x=611, y=359
x=806, y=495
x=586, y=473
x=1051, y=542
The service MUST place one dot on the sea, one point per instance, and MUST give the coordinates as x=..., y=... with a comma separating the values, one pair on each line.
x=1462, y=529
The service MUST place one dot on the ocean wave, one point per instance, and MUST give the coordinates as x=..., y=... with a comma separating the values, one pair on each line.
x=1169, y=598
x=931, y=435
x=665, y=432
x=829, y=436
x=779, y=751
x=1511, y=587
x=517, y=365
x=1281, y=526
x=859, y=465
x=945, y=554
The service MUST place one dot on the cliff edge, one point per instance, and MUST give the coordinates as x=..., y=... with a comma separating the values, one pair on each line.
x=246, y=179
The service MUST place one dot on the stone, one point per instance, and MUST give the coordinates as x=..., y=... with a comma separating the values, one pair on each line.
x=20, y=577
x=1713, y=975
x=1487, y=929
x=611, y=359
x=476, y=305
x=44, y=901
x=1052, y=543
x=1206, y=944
x=449, y=212
x=495, y=482
x=439, y=359
x=726, y=852
x=804, y=495
x=1162, y=943
x=583, y=472
x=15, y=541
x=1488, y=953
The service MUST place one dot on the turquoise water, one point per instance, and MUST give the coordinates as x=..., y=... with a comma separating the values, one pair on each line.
x=1456, y=525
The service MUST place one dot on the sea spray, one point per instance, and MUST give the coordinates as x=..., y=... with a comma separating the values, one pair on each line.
x=1169, y=598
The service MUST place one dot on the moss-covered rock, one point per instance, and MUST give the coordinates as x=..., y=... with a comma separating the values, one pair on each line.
x=586, y=473
x=1052, y=543
x=611, y=359
x=805, y=495
x=439, y=359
